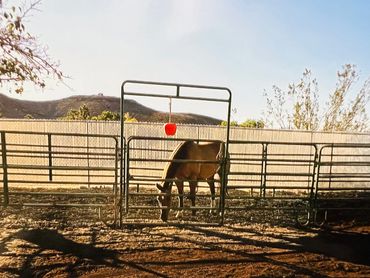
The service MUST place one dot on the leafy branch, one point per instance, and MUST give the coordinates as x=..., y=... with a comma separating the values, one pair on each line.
x=22, y=58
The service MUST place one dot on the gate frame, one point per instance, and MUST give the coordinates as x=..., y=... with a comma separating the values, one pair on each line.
x=177, y=86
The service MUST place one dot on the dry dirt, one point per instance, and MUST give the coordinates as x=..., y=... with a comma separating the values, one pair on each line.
x=44, y=242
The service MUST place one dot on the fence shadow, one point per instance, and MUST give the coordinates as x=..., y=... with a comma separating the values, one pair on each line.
x=51, y=240
x=347, y=246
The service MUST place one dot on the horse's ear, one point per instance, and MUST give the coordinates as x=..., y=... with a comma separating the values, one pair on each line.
x=160, y=187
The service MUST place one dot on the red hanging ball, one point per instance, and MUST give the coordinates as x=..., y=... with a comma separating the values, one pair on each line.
x=170, y=129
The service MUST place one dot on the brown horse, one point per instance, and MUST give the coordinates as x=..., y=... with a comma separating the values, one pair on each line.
x=192, y=171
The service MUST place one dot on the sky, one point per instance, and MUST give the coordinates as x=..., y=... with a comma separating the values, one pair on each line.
x=247, y=46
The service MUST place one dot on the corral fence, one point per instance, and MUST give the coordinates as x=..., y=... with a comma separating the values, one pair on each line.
x=60, y=170
x=304, y=178
x=271, y=176
x=343, y=180
x=312, y=174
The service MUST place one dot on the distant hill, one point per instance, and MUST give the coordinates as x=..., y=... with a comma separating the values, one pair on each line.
x=15, y=108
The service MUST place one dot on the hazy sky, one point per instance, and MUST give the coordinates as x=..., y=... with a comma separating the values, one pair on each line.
x=245, y=45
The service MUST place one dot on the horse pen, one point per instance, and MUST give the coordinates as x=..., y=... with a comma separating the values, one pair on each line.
x=294, y=203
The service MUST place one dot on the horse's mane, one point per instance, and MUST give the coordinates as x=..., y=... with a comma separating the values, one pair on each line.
x=178, y=153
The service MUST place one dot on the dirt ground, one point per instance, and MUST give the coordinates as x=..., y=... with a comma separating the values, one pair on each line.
x=44, y=242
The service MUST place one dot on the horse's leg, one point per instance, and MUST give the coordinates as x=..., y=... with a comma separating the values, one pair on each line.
x=219, y=177
x=180, y=189
x=211, y=184
x=193, y=188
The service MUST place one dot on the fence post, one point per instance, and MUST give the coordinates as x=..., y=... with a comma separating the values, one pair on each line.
x=88, y=154
x=50, y=158
x=5, y=170
x=264, y=171
x=331, y=163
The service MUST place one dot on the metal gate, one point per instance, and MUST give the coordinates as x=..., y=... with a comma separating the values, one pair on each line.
x=60, y=170
x=137, y=166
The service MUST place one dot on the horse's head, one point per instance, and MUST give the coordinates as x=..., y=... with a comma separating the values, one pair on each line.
x=164, y=201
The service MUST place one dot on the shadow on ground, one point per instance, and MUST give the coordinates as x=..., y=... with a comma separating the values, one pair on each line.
x=346, y=246
x=51, y=240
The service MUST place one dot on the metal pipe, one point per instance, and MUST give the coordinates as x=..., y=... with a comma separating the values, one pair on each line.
x=5, y=169
x=50, y=158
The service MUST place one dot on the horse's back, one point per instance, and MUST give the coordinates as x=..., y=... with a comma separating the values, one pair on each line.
x=207, y=151
x=190, y=150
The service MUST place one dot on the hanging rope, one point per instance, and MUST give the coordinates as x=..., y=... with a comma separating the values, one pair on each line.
x=170, y=128
x=169, y=116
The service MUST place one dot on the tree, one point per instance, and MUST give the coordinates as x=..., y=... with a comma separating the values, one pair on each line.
x=232, y=123
x=107, y=116
x=82, y=113
x=114, y=116
x=340, y=116
x=28, y=116
x=247, y=124
x=22, y=58
x=129, y=119
x=298, y=106
x=253, y=124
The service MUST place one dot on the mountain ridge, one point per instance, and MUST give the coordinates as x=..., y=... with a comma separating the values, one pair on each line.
x=54, y=109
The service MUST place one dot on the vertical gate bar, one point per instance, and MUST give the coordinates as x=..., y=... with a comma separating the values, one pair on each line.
x=223, y=187
x=265, y=171
x=262, y=168
x=115, y=189
x=5, y=170
x=315, y=195
x=223, y=179
x=127, y=175
x=50, y=158
x=316, y=162
x=310, y=176
x=331, y=163
x=88, y=155
x=122, y=177
x=313, y=182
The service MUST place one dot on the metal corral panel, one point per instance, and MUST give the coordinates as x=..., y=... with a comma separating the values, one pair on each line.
x=270, y=176
x=59, y=170
x=343, y=179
